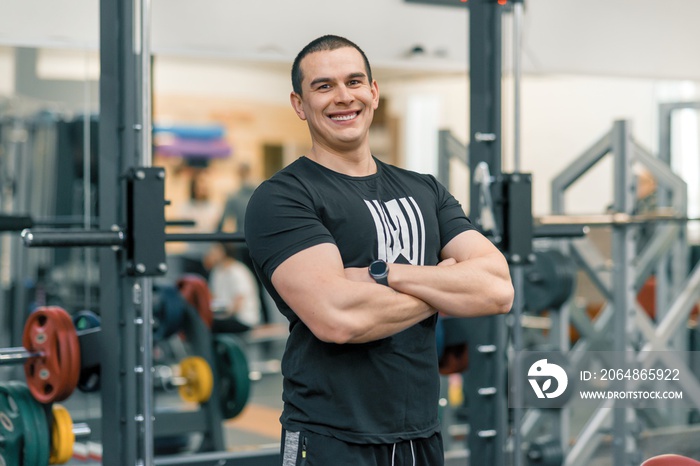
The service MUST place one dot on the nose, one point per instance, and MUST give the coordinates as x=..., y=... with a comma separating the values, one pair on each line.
x=343, y=95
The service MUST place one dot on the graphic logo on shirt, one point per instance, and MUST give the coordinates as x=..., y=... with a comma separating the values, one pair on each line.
x=400, y=230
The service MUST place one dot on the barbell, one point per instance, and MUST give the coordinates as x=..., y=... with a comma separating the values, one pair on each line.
x=193, y=379
x=50, y=353
x=615, y=218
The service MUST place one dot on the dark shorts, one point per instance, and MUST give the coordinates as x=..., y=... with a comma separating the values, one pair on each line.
x=309, y=449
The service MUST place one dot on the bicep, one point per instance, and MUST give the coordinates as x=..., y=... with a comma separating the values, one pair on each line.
x=308, y=280
x=468, y=245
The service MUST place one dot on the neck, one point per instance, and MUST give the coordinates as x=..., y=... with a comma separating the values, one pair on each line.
x=356, y=163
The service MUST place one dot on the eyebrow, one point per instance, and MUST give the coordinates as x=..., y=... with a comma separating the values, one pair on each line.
x=326, y=80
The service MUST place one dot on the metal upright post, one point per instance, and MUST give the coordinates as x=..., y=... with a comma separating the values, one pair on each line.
x=625, y=448
x=486, y=385
x=120, y=132
x=517, y=267
x=145, y=283
x=485, y=71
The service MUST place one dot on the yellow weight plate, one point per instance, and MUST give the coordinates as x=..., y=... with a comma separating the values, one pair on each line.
x=62, y=436
x=200, y=380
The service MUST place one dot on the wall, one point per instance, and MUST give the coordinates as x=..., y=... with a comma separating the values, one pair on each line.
x=7, y=71
x=562, y=114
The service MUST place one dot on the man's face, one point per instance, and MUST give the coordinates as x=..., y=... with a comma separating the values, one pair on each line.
x=337, y=99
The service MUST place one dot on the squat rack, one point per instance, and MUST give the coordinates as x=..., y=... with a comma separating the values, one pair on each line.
x=131, y=237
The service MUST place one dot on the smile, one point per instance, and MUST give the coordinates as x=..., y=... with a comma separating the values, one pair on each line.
x=350, y=116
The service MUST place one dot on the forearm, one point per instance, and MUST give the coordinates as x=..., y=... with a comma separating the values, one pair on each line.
x=343, y=305
x=475, y=287
x=367, y=311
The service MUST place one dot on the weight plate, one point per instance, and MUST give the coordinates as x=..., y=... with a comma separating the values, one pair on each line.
x=168, y=311
x=36, y=428
x=549, y=281
x=200, y=380
x=29, y=433
x=89, y=379
x=195, y=290
x=234, y=379
x=85, y=320
x=11, y=428
x=62, y=436
x=70, y=338
x=54, y=375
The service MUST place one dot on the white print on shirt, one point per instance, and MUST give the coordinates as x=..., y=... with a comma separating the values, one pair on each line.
x=400, y=230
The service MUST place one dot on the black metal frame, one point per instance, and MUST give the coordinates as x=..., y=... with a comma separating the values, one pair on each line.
x=139, y=252
x=488, y=415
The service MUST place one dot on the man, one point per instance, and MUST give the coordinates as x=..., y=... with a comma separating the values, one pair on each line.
x=348, y=248
x=234, y=290
x=233, y=216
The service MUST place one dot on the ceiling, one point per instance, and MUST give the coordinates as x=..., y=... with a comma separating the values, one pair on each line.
x=636, y=38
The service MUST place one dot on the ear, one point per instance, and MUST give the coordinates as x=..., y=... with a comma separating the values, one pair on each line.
x=375, y=94
x=297, y=105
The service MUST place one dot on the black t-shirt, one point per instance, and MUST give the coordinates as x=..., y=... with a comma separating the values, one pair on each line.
x=378, y=392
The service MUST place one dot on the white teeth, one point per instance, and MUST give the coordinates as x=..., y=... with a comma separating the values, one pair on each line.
x=344, y=117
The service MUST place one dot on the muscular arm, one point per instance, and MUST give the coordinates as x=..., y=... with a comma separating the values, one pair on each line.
x=477, y=283
x=338, y=309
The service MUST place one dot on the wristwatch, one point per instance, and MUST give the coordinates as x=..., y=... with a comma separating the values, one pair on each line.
x=379, y=270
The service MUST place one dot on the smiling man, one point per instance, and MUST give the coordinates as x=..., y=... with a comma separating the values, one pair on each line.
x=359, y=255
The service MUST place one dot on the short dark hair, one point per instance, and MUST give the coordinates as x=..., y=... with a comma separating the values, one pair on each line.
x=327, y=42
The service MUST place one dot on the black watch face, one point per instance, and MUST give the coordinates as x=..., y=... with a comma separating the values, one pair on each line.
x=378, y=268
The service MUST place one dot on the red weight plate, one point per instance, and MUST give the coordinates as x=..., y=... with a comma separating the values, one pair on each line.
x=195, y=290
x=62, y=348
x=50, y=377
x=68, y=338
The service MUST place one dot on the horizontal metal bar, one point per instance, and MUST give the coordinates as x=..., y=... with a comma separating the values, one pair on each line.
x=22, y=222
x=180, y=223
x=72, y=238
x=81, y=430
x=100, y=238
x=205, y=237
x=560, y=231
x=617, y=218
x=10, y=356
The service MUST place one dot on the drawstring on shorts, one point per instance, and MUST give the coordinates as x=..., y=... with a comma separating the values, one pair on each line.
x=413, y=454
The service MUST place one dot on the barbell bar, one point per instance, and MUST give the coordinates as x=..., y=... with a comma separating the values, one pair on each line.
x=17, y=355
x=614, y=218
x=19, y=222
x=117, y=237
x=56, y=238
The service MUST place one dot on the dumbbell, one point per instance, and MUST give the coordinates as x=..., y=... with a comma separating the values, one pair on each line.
x=32, y=434
x=50, y=352
x=194, y=380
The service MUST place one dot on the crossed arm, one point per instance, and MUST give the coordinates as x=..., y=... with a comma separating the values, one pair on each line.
x=346, y=306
